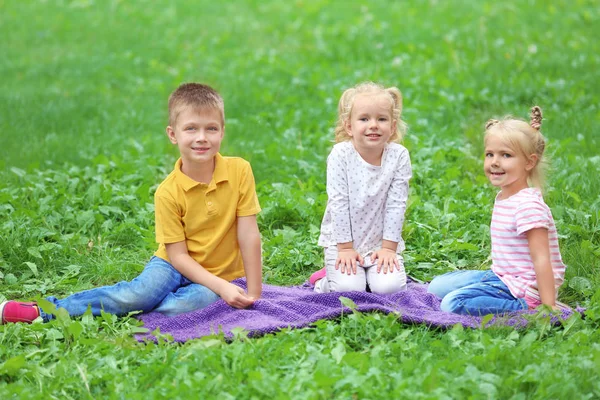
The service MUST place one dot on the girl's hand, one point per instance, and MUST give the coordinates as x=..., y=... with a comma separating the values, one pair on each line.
x=346, y=261
x=235, y=296
x=386, y=260
x=552, y=307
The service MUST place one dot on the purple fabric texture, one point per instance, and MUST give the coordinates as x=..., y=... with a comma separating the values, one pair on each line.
x=299, y=306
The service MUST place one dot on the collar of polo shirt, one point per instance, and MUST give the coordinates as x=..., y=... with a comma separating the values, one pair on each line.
x=219, y=175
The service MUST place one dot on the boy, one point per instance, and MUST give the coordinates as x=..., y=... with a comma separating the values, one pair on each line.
x=205, y=225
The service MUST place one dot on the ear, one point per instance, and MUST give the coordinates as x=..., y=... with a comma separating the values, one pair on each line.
x=532, y=161
x=171, y=134
x=394, y=124
x=348, y=127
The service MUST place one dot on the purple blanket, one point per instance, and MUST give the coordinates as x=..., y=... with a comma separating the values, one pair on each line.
x=299, y=306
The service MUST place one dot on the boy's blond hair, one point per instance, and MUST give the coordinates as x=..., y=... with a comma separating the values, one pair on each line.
x=524, y=138
x=196, y=96
x=347, y=102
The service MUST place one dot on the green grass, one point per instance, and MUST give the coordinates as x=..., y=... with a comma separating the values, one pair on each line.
x=82, y=115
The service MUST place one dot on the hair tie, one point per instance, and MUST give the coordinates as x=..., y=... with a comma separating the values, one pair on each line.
x=491, y=123
x=536, y=118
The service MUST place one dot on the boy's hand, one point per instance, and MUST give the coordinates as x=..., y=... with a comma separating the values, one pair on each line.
x=386, y=260
x=346, y=261
x=235, y=296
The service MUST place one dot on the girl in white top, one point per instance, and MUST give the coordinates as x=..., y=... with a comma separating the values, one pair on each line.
x=527, y=268
x=367, y=189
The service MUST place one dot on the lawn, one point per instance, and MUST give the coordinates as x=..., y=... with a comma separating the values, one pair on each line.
x=83, y=100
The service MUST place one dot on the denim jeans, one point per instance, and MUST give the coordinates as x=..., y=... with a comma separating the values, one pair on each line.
x=160, y=287
x=474, y=293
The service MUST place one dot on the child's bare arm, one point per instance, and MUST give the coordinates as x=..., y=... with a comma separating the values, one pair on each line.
x=249, y=241
x=539, y=249
x=188, y=267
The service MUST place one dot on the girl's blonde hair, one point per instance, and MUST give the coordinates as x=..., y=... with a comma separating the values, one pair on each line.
x=347, y=102
x=524, y=138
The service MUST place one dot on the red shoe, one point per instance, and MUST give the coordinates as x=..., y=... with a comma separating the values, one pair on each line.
x=320, y=274
x=17, y=311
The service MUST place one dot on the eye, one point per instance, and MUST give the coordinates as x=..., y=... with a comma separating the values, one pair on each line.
x=488, y=155
x=189, y=128
x=383, y=119
x=363, y=119
x=506, y=155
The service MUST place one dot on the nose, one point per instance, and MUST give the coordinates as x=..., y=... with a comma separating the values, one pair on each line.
x=200, y=136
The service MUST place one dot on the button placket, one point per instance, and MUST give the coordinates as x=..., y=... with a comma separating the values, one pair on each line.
x=210, y=202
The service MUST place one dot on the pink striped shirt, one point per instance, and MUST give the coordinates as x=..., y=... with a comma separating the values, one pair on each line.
x=511, y=259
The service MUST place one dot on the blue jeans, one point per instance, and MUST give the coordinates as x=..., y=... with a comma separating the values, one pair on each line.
x=160, y=287
x=474, y=293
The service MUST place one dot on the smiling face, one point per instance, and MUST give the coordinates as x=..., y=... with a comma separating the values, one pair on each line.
x=505, y=167
x=198, y=134
x=371, y=124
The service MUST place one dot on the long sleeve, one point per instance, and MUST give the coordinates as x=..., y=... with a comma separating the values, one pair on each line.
x=337, y=192
x=395, y=205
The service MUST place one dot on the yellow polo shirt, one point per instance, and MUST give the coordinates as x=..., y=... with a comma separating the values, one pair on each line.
x=205, y=215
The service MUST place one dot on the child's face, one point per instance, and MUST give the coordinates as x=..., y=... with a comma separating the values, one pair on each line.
x=198, y=134
x=505, y=167
x=370, y=124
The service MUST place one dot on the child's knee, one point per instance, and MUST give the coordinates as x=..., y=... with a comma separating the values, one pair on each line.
x=451, y=303
x=388, y=286
x=348, y=285
x=438, y=286
x=172, y=305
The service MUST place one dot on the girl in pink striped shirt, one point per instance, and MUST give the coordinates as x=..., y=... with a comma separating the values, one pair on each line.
x=527, y=268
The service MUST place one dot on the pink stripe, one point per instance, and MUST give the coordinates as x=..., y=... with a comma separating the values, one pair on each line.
x=510, y=269
x=516, y=281
x=517, y=260
x=521, y=253
x=507, y=235
x=503, y=242
x=555, y=258
x=511, y=234
x=535, y=207
x=511, y=274
x=503, y=215
x=513, y=257
x=526, y=253
x=534, y=224
x=503, y=230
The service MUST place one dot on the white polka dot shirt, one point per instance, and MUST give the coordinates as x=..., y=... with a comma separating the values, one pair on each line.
x=366, y=203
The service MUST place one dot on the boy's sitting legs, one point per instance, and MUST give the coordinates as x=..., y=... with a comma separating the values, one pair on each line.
x=143, y=293
x=187, y=298
x=153, y=287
